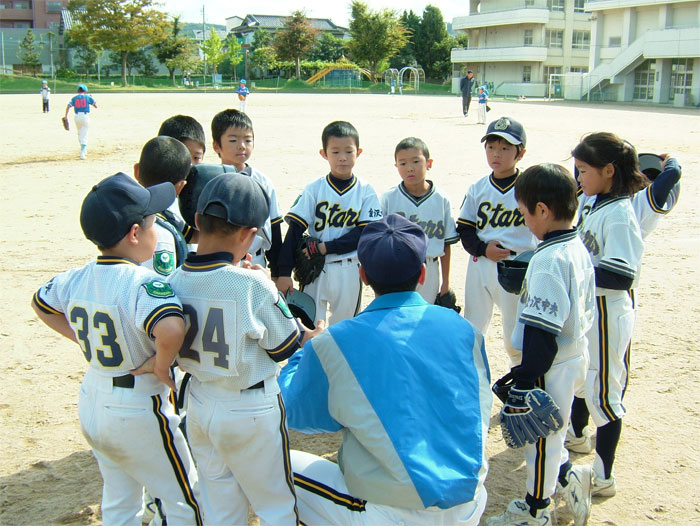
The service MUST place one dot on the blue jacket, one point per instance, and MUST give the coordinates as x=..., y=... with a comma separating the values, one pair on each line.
x=408, y=384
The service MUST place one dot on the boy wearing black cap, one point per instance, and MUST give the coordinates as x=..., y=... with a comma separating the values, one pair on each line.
x=492, y=228
x=239, y=329
x=395, y=386
x=122, y=316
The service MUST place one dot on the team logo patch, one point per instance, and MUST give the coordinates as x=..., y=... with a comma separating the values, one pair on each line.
x=501, y=124
x=164, y=262
x=159, y=289
x=282, y=306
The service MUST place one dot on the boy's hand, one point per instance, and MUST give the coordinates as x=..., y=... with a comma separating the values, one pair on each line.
x=495, y=252
x=145, y=367
x=285, y=284
x=445, y=288
x=164, y=376
x=320, y=327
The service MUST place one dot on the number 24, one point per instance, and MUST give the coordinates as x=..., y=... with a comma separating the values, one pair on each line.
x=213, y=327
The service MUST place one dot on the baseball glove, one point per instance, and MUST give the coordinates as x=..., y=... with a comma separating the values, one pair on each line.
x=502, y=387
x=66, y=123
x=241, y=97
x=307, y=269
x=538, y=418
x=448, y=300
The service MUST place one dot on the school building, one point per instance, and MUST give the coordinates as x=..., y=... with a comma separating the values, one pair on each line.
x=599, y=50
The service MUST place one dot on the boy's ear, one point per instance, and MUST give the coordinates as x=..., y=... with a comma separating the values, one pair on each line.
x=363, y=275
x=521, y=154
x=133, y=233
x=359, y=151
x=429, y=164
x=179, y=186
x=136, y=171
x=217, y=147
x=323, y=153
x=196, y=221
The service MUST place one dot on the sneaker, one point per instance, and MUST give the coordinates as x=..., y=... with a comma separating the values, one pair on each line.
x=576, y=444
x=518, y=514
x=149, y=508
x=577, y=493
x=604, y=487
x=82, y=155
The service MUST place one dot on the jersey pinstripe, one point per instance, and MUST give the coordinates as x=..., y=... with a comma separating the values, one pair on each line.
x=558, y=295
x=431, y=211
x=112, y=305
x=238, y=324
x=612, y=236
x=328, y=212
x=493, y=212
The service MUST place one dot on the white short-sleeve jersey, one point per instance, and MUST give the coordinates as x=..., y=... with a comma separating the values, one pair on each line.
x=611, y=234
x=238, y=323
x=164, y=258
x=493, y=211
x=432, y=211
x=112, y=305
x=558, y=295
x=328, y=212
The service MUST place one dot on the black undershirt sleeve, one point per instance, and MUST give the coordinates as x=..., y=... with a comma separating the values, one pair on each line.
x=470, y=240
x=345, y=243
x=285, y=261
x=275, y=247
x=665, y=181
x=539, y=350
x=610, y=280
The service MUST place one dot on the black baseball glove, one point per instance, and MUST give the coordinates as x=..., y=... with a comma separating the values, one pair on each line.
x=502, y=387
x=308, y=268
x=448, y=300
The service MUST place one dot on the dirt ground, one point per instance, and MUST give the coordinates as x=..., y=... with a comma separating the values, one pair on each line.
x=47, y=473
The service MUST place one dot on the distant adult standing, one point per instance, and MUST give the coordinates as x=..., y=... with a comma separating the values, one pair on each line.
x=465, y=86
x=45, y=91
x=81, y=104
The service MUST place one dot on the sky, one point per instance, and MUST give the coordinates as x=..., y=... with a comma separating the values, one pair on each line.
x=216, y=11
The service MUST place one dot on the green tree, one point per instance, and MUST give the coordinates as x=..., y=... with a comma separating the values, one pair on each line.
x=29, y=50
x=213, y=49
x=407, y=55
x=173, y=46
x=233, y=53
x=261, y=38
x=87, y=58
x=328, y=48
x=121, y=26
x=376, y=36
x=188, y=61
x=264, y=58
x=433, y=44
x=296, y=39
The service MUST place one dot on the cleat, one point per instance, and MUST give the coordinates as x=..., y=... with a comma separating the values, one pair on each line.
x=577, y=493
x=576, y=444
x=518, y=514
x=604, y=487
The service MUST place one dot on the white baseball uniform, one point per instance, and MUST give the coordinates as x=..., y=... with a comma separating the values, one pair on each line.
x=493, y=211
x=263, y=241
x=612, y=236
x=432, y=211
x=112, y=305
x=557, y=297
x=328, y=213
x=239, y=328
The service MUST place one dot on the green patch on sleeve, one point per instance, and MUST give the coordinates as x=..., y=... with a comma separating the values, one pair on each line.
x=159, y=289
x=164, y=262
x=282, y=306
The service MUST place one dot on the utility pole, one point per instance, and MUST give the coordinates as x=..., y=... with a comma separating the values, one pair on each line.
x=204, y=36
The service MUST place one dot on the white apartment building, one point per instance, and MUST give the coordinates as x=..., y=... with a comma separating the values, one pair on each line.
x=644, y=50
x=515, y=45
x=601, y=50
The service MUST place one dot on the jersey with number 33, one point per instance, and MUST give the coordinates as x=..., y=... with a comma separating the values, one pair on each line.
x=112, y=305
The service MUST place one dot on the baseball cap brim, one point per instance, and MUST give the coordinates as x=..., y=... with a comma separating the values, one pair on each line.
x=162, y=196
x=507, y=136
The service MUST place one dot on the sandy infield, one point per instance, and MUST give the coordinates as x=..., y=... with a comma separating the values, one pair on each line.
x=47, y=473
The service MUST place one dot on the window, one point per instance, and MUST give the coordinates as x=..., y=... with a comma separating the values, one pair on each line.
x=581, y=40
x=22, y=25
x=21, y=5
x=551, y=70
x=554, y=38
x=575, y=69
x=53, y=7
x=578, y=6
x=681, y=76
x=644, y=77
x=614, y=41
x=527, y=41
x=527, y=73
x=529, y=3
x=555, y=5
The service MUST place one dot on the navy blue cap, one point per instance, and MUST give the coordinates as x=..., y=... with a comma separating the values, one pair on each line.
x=392, y=249
x=238, y=199
x=118, y=202
x=509, y=129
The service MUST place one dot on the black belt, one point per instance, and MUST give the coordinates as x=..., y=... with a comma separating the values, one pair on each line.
x=127, y=381
x=340, y=260
x=259, y=252
x=259, y=385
